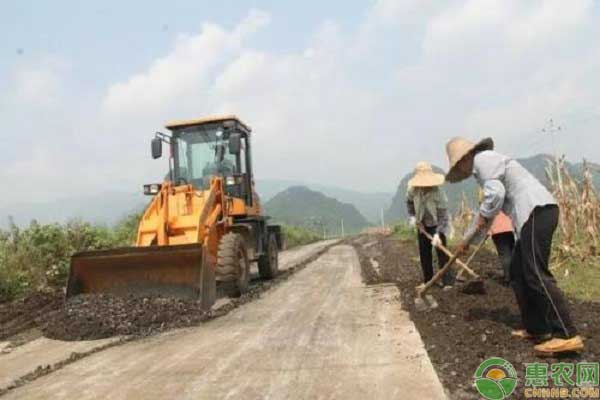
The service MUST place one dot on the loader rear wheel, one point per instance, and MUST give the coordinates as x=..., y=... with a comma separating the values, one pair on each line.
x=268, y=263
x=233, y=268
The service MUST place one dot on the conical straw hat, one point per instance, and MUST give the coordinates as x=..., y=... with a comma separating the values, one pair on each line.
x=457, y=148
x=425, y=177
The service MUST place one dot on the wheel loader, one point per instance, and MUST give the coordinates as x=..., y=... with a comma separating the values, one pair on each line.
x=202, y=228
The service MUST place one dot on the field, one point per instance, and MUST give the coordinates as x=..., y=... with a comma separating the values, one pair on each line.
x=466, y=329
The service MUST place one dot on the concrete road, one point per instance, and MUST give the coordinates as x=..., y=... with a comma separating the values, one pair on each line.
x=320, y=335
x=22, y=360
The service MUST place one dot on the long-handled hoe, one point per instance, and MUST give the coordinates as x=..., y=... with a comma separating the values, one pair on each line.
x=474, y=286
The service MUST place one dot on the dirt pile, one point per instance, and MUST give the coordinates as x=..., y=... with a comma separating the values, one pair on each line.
x=22, y=315
x=88, y=317
x=467, y=329
x=100, y=316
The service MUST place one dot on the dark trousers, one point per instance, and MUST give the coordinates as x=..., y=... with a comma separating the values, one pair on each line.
x=543, y=306
x=505, y=245
x=426, y=255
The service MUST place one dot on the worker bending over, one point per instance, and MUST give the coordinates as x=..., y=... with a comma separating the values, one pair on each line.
x=427, y=207
x=509, y=187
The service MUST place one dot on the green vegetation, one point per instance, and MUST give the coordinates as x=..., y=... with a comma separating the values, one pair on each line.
x=38, y=257
x=301, y=207
x=296, y=236
x=579, y=278
x=403, y=231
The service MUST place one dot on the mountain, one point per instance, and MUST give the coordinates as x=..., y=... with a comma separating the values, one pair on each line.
x=300, y=206
x=103, y=208
x=468, y=189
x=107, y=208
x=369, y=204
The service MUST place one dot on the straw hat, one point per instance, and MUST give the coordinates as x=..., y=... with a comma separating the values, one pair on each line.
x=425, y=177
x=457, y=148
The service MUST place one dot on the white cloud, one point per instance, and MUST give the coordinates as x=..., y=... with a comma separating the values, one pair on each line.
x=510, y=24
x=185, y=71
x=551, y=20
x=352, y=107
x=37, y=83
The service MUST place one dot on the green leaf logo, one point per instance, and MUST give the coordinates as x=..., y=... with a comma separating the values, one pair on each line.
x=496, y=379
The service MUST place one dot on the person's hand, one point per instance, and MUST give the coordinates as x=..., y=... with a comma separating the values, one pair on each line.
x=481, y=223
x=412, y=221
x=462, y=248
x=436, y=241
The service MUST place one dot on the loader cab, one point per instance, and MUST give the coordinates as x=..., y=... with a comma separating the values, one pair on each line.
x=202, y=149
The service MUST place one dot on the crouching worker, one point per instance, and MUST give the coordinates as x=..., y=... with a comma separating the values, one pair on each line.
x=509, y=187
x=427, y=206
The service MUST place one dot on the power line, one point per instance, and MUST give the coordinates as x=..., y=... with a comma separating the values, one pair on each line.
x=553, y=130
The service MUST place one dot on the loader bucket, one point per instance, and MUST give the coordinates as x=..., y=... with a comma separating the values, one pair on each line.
x=169, y=271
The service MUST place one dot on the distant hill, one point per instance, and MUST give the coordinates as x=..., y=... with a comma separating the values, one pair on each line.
x=469, y=188
x=300, y=206
x=369, y=204
x=103, y=208
x=107, y=208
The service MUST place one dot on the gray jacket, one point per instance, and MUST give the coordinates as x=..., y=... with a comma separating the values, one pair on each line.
x=509, y=187
x=429, y=208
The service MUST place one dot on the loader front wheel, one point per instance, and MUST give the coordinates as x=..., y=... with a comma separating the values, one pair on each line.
x=233, y=268
x=268, y=263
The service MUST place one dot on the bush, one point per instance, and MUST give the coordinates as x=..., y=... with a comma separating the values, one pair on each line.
x=38, y=257
x=296, y=236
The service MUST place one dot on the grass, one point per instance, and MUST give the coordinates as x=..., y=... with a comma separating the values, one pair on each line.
x=296, y=236
x=404, y=232
x=579, y=280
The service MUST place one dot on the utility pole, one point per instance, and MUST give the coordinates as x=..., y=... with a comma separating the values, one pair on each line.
x=343, y=234
x=553, y=130
x=382, y=220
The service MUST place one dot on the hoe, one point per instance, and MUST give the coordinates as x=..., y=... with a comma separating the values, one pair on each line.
x=474, y=286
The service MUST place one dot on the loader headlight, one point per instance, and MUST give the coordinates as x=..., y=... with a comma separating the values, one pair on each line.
x=152, y=189
x=230, y=180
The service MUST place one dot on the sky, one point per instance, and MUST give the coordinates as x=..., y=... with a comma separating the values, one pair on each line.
x=346, y=93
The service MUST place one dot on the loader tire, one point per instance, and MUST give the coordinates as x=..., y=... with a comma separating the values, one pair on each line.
x=268, y=263
x=233, y=267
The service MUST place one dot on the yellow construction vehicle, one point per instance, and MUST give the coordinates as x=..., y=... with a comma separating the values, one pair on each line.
x=203, y=226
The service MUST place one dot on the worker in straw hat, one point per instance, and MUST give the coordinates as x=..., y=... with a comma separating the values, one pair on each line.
x=427, y=206
x=509, y=187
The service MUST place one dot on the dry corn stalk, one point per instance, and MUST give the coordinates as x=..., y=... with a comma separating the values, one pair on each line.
x=580, y=210
x=463, y=218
